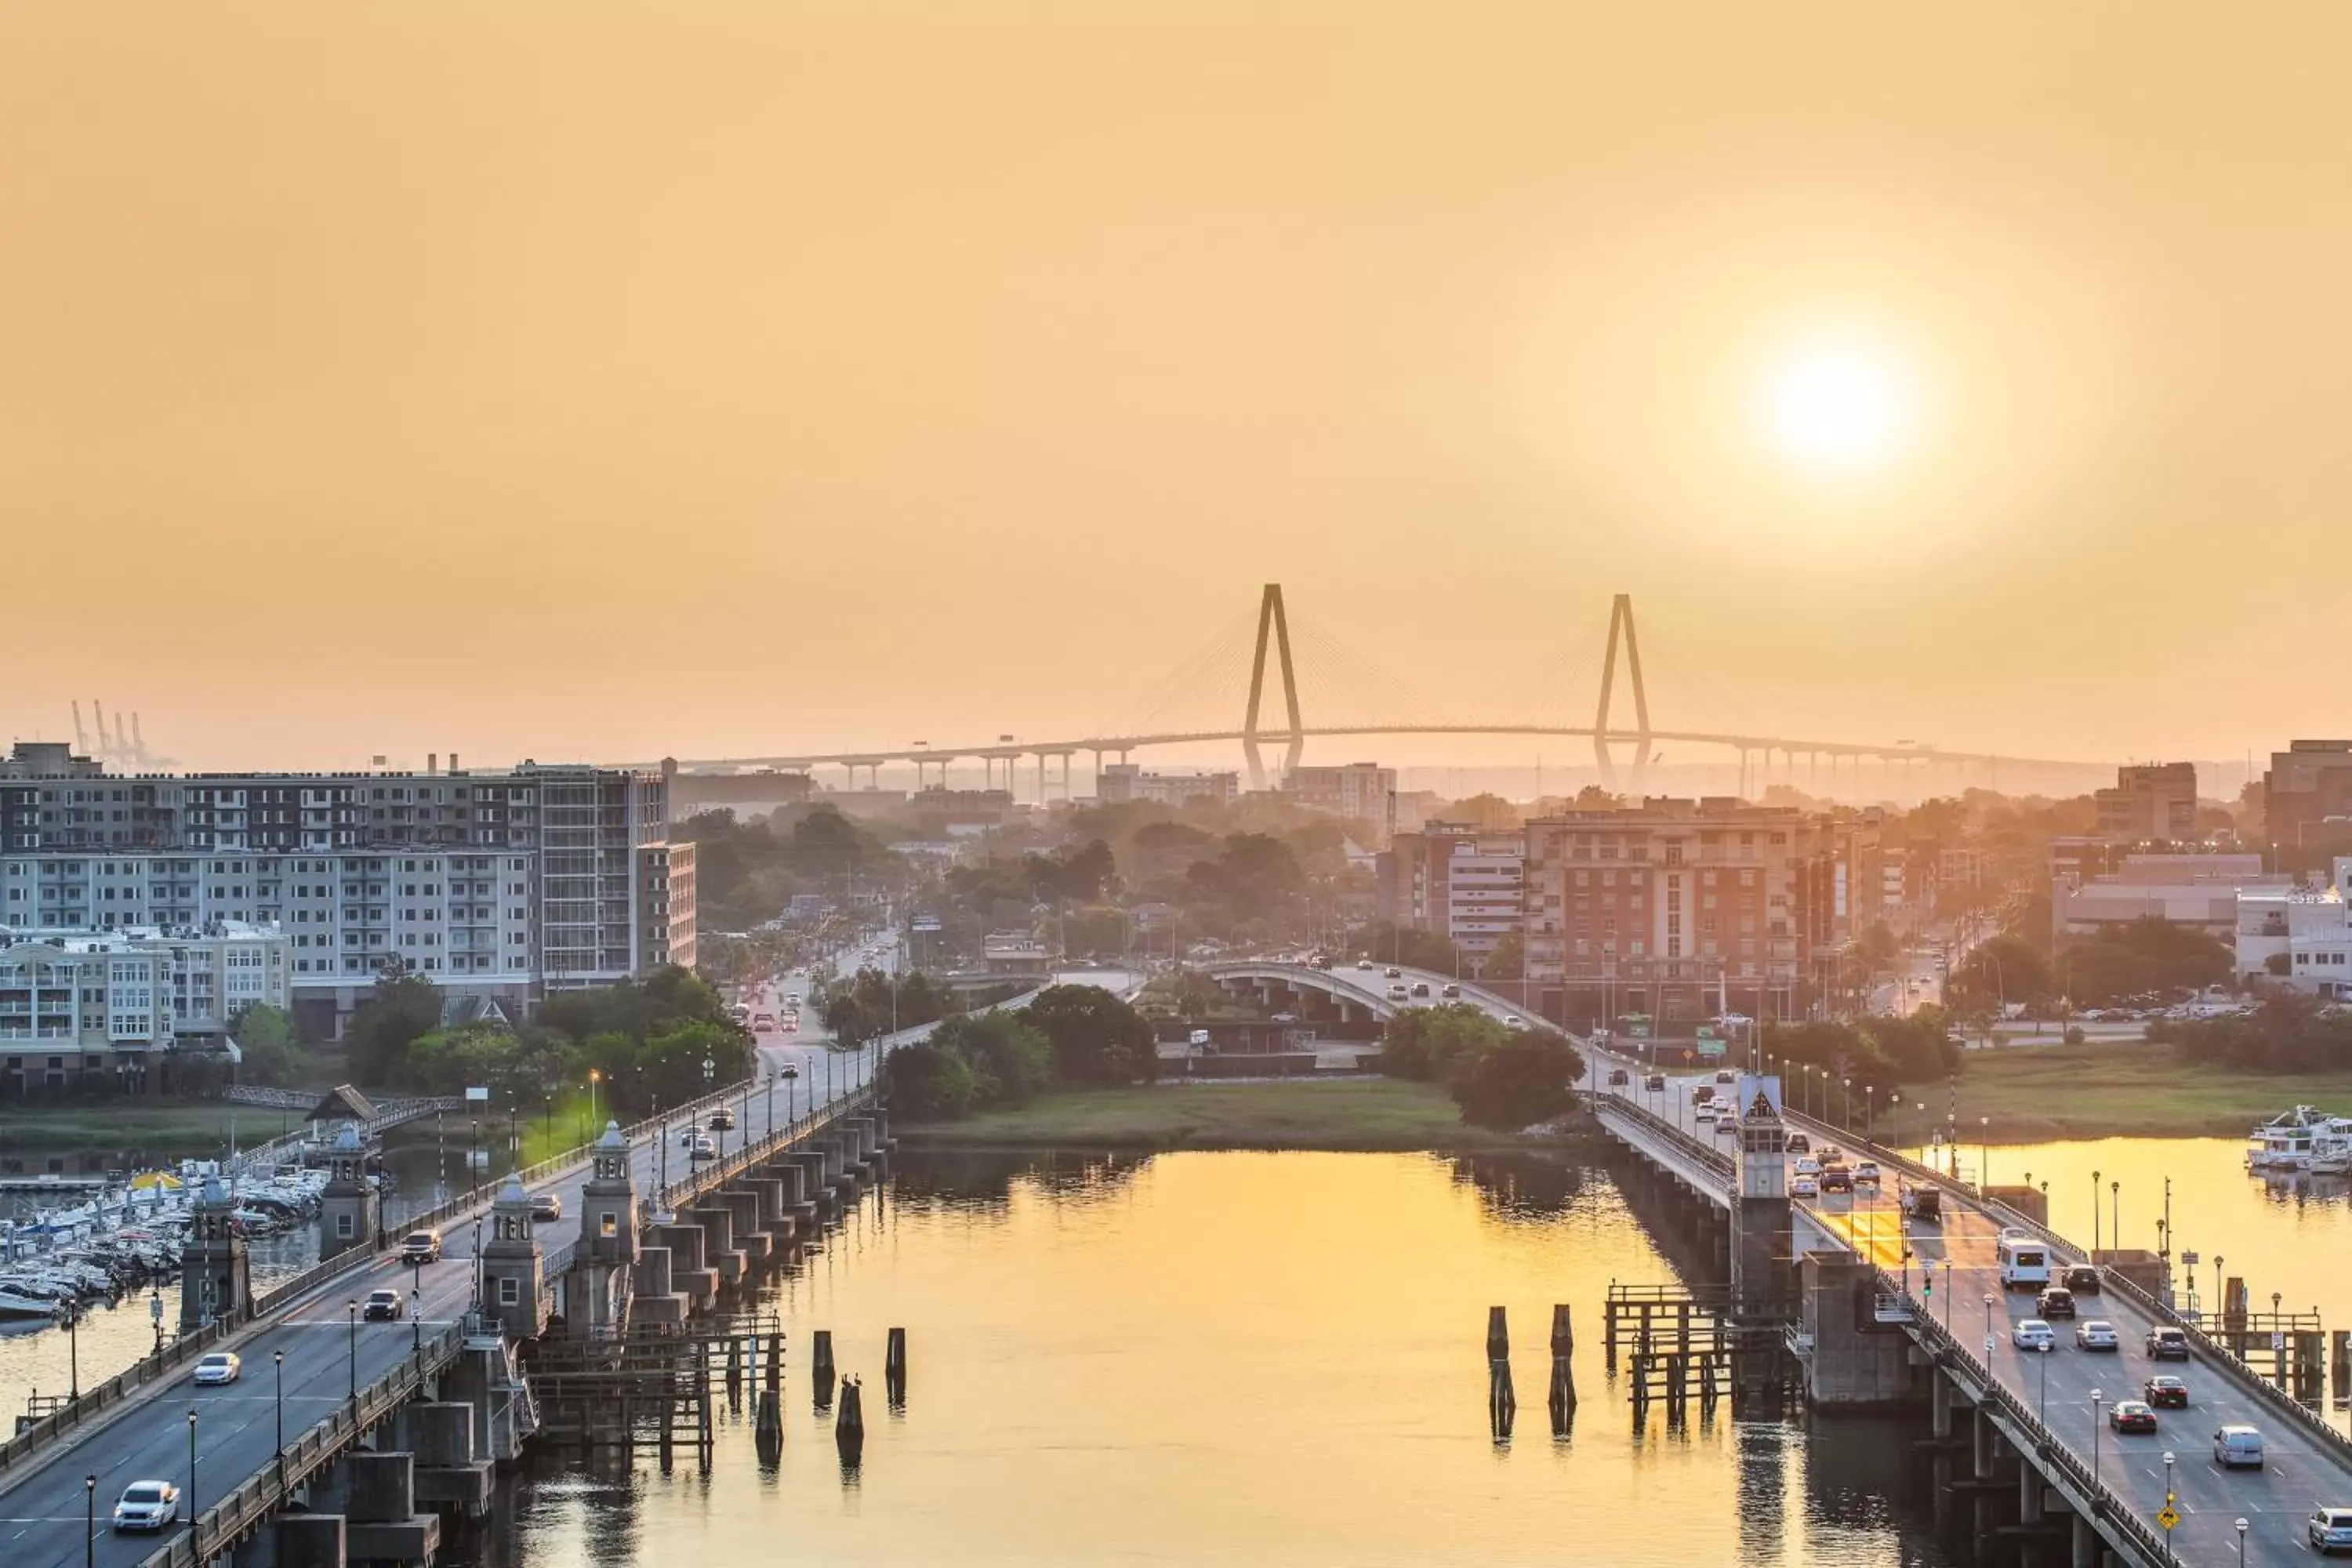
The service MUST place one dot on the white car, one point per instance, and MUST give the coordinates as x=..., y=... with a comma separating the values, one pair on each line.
x=147, y=1505
x=221, y=1366
x=2096, y=1334
x=2331, y=1530
x=1865, y=1172
x=700, y=1147
x=2034, y=1334
x=1513, y=1021
x=1805, y=1186
x=1809, y=1166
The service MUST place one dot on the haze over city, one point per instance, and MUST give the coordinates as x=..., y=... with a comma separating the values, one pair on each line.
x=553, y=381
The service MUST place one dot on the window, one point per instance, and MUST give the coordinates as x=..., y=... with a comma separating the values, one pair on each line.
x=343, y=1227
x=509, y=1291
x=608, y=1224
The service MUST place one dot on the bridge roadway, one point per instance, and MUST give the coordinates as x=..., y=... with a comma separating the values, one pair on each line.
x=2306, y=1466
x=41, y=1502
x=1351, y=981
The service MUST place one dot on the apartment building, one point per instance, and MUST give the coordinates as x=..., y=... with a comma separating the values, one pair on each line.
x=1127, y=782
x=666, y=909
x=82, y=1009
x=1362, y=792
x=503, y=884
x=1453, y=879
x=2297, y=937
x=1671, y=908
x=2307, y=803
x=2150, y=802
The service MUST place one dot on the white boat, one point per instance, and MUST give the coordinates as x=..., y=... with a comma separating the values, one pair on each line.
x=2285, y=1142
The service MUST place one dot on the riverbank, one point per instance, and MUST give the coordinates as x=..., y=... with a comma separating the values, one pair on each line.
x=197, y=1129
x=1353, y=1114
x=2036, y=1094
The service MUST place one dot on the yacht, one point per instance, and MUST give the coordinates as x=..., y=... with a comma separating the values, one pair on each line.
x=2294, y=1140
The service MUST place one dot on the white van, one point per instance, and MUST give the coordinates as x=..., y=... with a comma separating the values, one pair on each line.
x=2024, y=1263
x=2235, y=1446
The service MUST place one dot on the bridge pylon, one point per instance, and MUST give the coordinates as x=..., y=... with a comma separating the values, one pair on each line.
x=1272, y=624
x=1620, y=619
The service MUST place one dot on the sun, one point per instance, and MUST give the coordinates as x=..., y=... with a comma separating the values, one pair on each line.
x=1836, y=409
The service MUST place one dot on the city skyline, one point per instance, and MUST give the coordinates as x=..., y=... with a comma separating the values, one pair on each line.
x=799, y=378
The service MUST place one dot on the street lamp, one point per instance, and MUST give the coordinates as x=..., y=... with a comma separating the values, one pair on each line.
x=90, y=1522
x=2241, y=1524
x=2167, y=1502
x=2096, y=1395
x=1984, y=1154
x=155, y=1313
x=192, y=1479
x=2116, y=1219
x=2095, y=1216
x=595, y=1077
x=1987, y=1305
x=354, y=1308
x=1948, y=1295
x=1845, y=1102
x=73, y=1351
x=279, y=1358
x=416, y=1321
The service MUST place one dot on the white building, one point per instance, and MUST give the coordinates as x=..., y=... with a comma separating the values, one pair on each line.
x=80, y=1008
x=1363, y=792
x=2197, y=891
x=2302, y=938
x=1485, y=893
x=1126, y=781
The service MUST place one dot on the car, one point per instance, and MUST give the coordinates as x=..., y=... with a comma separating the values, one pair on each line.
x=1725, y=1077
x=687, y=1134
x=383, y=1307
x=2131, y=1415
x=790, y=1069
x=1449, y=990
x=1397, y=993
x=1619, y=1077
x=147, y=1505
x=1421, y=987
x=1702, y=1095
x=2098, y=1334
x=1513, y=1021
x=1808, y=1166
x=721, y=1119
x=763, y=1023
x=2083, y=1279
x=702, y=1147
x=1804, y=1187
x=1799, y=1144
x=2057, y=1301
x=1655, y=1082
x=1866, y=1173
x=1836, y=1179
x=421, y=1247
x=2237, y=1447
x=1728, y=1127
x=1704, y=1114
x=2034, y=1334
x=221, y=1366
x=547, y=1206
x=1363, y=964
x=2330, y=1529
x=2165, y=1392
x=2166, y=1343
x=1394, y=973
x=792, y=998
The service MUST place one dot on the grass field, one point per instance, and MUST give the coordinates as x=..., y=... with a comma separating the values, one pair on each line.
x=199, y=1128
x=1291, y=1113
x=2034, y=1093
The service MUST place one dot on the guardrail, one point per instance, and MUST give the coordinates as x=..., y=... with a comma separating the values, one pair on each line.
x=718, y=1173
x=1713, y=1159
x=266, y=1492
x=108, y=1395
x=2048, y=1447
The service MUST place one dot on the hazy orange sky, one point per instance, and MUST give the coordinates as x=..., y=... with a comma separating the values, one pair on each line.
x=607, y=380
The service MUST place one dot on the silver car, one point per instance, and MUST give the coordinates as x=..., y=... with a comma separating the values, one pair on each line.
x=147, y=1505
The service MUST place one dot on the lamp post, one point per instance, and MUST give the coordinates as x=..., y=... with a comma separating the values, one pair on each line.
x=191, y=1482
x=2241, y=1524
x=90, y=1522
x=2095, y=1216
x=2096, y=1395
x=1845, y=1103
x=416, y=1322
x=2167, y=1502
x=73, y=1352
x=352, y=1308
x=2043, y=1414
x=595, y=1077
x=1948, y=1295
x=279, y=1358
x=1987, y=1338
x=2116, y=1217
x=478, y=1264
x=1984, y=1154
x=155, y=1313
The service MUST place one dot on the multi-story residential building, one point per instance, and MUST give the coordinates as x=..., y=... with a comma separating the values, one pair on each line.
x=1672, y=909
x=1125, y=782
x=1363, y=792
x=87, y=1009
x=666, y=906
x=1453, y=879
x=504, y=884
x=2298, y=938
x=2151, y=802
x=2307, y=802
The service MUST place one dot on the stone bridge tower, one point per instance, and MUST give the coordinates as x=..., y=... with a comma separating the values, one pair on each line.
x=1763, y=1272
x=213, y=1280
x=513, y=1267
x=349, y=1208
x=596, y=1289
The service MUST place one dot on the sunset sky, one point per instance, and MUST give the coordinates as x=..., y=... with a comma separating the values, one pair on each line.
x=592, y=380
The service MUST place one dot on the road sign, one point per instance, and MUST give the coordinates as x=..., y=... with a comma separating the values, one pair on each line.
x=2278, y=1340
x=1688, y=1055
x=2166, y=1517
x=1988, y=1345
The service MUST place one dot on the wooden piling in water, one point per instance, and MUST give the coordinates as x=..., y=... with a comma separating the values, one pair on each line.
x=821, y=1373
x=1502, y=1401
x=769, y=1435
x=849, y=1430
x=1562, y=1396
x=894, y=1369
x=775, y=1362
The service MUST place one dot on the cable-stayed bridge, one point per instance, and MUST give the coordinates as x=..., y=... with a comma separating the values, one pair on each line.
x=1625, y=739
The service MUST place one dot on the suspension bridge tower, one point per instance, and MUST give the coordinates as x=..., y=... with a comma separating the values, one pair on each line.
x=1272, y=626
x=1621, y=623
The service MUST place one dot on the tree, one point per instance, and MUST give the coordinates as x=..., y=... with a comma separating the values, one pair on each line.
x=1917, y=1049
x=265, y=1037
x=928, y=1082
x=1012, y=1061
x=1507, y=962
x=1878, y=946
x=400, y=1009
x=2148, y=956
x=1527, y=1077
x=2005, y=969
x=1488, y=812
x=1387, y=943
x=1424, y=1042
x=1097, y=1038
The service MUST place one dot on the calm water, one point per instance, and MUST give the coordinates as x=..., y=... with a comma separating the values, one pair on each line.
x=1235, y=1358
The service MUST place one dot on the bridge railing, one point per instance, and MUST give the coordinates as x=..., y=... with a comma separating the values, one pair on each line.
x=702, y=1179
x=2049, y=1448
x=267, y=1491
x=108, y=1396
x=1658, y=1126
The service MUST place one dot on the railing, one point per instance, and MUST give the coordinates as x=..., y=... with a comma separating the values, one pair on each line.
x=2051, y=1452
x=108, y=1395
x=720, y=1172
x=267, y=1491
x=1715, y=1160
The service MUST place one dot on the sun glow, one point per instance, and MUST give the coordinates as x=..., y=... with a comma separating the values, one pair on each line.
x=1836, y=409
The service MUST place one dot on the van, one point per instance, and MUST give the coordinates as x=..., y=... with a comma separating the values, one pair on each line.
x=2237, y=1447
x=421, y=1247
x=2024, y=1263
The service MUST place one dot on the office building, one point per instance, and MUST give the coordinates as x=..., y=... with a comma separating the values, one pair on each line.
x=2296, y=938
x=504, y=884
x=2155, y=802
x=85, y=1009
x=2307, y=802
x=2198, y=891
x=1451, y=879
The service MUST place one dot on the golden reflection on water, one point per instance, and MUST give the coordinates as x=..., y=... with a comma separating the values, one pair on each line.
x=1238, y=1358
